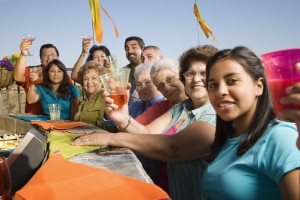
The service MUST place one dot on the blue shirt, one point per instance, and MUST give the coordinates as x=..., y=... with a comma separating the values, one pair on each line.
x=256, y=174
x=185, y=177
x=48, y=97
x=138, y=107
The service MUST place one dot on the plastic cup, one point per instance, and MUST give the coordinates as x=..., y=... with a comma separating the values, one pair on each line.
x=280, y=67
x=54, y=110
x=39, y=72
x=115, y=83
x=113, y=60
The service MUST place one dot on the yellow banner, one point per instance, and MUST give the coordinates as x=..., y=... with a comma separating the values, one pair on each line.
x=207, y=31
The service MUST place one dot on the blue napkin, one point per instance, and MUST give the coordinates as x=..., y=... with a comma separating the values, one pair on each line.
x=30, y=117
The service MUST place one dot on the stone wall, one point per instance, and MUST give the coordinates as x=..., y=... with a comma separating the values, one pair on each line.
x=13, y=125
x=16, y=100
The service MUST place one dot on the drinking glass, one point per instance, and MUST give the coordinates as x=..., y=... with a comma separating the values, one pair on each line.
x=281, y=72
x=86, y=37
x=54, y=110
x=113, y=60
x=115, y=83
x=30, y=38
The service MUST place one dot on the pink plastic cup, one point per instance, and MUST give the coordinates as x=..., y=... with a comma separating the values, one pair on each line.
x=281, y=71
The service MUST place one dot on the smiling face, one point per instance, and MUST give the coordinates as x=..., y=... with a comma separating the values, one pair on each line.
x=55, y=74
x=91, y=82
x=99, y=56
x=168, y=83
x=232, y=92
x=195, y=87
x=133, y=52
x=48, y=54
x=145, y=88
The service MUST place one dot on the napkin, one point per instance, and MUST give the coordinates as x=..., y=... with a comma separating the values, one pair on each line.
x=61, y=179
x=28, y=118
x=58, y=125
x=61, y=141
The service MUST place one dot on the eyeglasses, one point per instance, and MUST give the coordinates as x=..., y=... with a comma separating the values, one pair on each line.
x=191, y=74
x=168, y=80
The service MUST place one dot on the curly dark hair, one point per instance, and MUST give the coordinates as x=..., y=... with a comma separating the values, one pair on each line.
x=64, y=87
x=96, y=48
x=198, y=53
x=264, y=112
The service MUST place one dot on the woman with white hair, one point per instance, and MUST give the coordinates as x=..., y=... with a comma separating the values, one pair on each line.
x=147, y=91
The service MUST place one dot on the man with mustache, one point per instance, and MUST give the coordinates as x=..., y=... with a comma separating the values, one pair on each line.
x=133, y=48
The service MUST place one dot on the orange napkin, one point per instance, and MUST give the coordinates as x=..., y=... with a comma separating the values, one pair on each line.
x=59, y=179
x=58, y=125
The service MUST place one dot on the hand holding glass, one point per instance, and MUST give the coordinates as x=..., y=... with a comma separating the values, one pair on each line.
x=115, y=83
x=281, y=71
x=29, y=37
x=39, y=74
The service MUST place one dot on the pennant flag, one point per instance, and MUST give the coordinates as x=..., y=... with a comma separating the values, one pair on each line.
x=115, y=27
x=207, y=31
x=96, y=20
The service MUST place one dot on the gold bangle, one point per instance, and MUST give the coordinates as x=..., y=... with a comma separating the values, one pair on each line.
x=128, y=123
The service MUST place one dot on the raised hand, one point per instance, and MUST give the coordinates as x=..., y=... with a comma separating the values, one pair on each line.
x=293, y=96
x=113, y=111
x=24, y=47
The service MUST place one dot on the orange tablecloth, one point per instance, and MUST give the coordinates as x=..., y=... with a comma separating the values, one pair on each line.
x=59, y=179
x=58, y=125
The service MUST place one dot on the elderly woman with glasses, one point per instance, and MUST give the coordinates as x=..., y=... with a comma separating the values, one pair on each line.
x=184, y=153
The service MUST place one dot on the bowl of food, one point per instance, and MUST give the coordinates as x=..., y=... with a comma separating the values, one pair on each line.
x=8, y=143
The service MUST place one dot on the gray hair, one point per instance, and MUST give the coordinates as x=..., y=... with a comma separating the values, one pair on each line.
x=166, y=63
x=142, y=68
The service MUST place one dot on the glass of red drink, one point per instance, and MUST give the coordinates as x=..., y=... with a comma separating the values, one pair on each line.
x=115, y=83
x=39, y=74
x=30, y=38
x=86, y=37
x=280, y=67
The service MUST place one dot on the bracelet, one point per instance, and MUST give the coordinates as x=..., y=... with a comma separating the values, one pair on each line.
x=128, y=123
x=32, y=89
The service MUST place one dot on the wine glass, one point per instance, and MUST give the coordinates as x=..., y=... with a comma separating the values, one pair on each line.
x=113, y=60
x=29, y=37
x=86, y=37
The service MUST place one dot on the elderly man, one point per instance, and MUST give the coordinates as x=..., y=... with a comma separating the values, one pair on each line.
x=151, y=54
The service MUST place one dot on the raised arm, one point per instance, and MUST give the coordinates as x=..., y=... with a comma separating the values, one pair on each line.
x=190, y=143
x=121, y=117
x=19, y=71
x=32, y=95
x=80, y=61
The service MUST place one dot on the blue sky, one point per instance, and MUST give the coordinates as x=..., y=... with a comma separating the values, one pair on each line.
x=261, y=25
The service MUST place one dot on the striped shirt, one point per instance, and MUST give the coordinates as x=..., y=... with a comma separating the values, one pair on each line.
x=185, y=177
